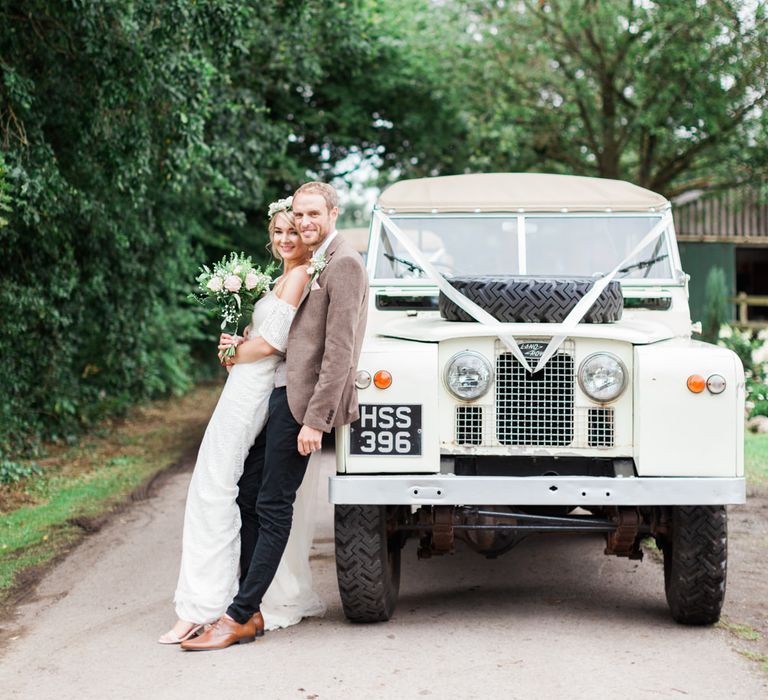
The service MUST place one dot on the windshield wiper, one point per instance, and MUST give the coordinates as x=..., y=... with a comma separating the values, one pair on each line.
x=649, y=262
x=413, y=267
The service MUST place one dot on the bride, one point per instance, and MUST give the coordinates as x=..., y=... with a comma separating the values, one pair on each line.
x=208, y=576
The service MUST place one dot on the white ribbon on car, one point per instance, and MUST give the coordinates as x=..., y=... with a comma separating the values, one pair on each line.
x=578, y=312
x=575, y=316
x=465, y=304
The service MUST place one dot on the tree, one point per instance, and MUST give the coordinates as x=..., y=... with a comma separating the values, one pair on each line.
x=140, y=139
x=371, y=81
x=107, y=185
x=670, y=95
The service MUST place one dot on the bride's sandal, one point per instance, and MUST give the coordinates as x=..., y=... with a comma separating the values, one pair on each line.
x=170, y=637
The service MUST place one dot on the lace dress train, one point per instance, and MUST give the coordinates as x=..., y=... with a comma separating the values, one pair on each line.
x=208, y=575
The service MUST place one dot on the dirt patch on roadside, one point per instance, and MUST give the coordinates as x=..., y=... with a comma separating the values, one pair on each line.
x=12, y=497
x=164, y=426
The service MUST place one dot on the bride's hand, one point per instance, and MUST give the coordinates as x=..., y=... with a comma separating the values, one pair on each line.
x=227, y=341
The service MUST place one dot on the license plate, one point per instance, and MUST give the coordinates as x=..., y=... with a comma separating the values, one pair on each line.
x=387, y=430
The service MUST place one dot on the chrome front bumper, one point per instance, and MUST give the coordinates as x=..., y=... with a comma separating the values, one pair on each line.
x=443, y=489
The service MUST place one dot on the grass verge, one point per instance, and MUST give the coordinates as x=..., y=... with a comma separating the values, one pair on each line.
x=756, y=458
x=43, y=517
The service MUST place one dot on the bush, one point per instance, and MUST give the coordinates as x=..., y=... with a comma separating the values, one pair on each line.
x=752, y=349
x=110, y=194
x=11, y=472
x=715, y=304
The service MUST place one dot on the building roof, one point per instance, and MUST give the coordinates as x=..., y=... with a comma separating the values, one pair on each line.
x=505, y=192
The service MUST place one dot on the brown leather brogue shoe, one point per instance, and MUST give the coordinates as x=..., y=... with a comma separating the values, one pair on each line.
x=225, y=632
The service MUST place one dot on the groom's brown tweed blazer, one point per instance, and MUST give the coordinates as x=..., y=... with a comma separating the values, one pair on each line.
x=325, y=339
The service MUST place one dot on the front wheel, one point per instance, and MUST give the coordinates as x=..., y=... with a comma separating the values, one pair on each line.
x=367, y=562
x=695, y=558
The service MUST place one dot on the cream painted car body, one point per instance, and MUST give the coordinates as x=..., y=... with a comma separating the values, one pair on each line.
x=668, y=445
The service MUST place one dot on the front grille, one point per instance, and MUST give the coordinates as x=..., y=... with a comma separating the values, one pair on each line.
x=469, y=425
x=535, y=409
x=600, y=427
x=540, y=410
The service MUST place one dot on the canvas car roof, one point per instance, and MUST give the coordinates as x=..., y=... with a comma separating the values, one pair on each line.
x=528, y=192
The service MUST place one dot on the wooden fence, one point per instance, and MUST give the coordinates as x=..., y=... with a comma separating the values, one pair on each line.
x=744, y=301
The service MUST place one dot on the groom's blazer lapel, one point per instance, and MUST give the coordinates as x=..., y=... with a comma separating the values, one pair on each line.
x=320, y=320
x=332, y=246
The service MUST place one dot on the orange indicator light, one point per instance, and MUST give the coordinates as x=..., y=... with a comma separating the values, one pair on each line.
x=382, y=379
x=696, y=383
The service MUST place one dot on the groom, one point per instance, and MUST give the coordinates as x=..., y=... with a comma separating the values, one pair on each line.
x=314, y=391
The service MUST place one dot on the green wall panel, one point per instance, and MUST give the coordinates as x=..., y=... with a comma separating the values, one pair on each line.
x=698, y=259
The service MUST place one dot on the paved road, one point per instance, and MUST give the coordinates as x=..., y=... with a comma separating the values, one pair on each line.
x=552, y=619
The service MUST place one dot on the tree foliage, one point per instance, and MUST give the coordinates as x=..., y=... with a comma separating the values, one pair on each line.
x=110, y=174
x=141, y=139
x=669, y=95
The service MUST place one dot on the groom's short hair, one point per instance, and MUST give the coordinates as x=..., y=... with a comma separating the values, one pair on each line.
x=329, y=194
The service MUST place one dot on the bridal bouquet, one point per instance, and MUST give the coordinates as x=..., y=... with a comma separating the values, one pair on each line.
x=232, y=284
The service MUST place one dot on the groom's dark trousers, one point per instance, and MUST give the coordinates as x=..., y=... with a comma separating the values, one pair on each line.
x=273, y=472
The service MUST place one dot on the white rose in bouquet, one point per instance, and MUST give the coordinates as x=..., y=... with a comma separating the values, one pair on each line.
x=215, y=284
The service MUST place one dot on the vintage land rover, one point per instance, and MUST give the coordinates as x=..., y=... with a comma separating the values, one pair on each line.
x=529, y=368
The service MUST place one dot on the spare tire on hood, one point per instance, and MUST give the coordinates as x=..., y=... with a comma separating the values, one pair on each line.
x=532, y=300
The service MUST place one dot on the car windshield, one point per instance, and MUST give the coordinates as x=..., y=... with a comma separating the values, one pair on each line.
x=546, y=246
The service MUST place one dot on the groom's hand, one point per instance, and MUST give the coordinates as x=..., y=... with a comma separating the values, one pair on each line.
x=310, y=440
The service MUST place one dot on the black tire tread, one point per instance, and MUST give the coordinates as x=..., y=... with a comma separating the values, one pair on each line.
x=532, y=300
x=367, y=586
x=695, y=564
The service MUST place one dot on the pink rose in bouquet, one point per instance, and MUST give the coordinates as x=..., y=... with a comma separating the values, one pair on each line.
x=233, y=283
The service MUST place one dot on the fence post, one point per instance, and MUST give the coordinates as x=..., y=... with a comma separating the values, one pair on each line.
x=742, y=300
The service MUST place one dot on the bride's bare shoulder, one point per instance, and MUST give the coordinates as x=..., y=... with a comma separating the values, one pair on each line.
x=295, y=281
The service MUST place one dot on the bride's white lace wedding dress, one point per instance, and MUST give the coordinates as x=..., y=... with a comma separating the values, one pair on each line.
x=208, y=576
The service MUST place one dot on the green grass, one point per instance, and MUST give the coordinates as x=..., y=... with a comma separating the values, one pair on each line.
x=762, y=659
x=756, y=458
x=85, y=496
x=42, y=516
x=744, y=632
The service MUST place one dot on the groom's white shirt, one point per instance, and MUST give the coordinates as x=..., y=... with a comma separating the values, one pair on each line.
x=324, y=246
x=281, y=378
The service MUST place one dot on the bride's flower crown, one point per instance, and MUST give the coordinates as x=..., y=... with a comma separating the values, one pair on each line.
x=279, y=205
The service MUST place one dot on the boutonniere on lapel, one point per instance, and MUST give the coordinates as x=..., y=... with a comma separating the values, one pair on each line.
x=316, y=265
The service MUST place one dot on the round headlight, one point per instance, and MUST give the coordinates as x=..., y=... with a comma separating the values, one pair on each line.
x=602, y=377
x=468, y=375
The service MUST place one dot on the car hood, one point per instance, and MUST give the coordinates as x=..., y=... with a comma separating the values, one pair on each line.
x=433, y=329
